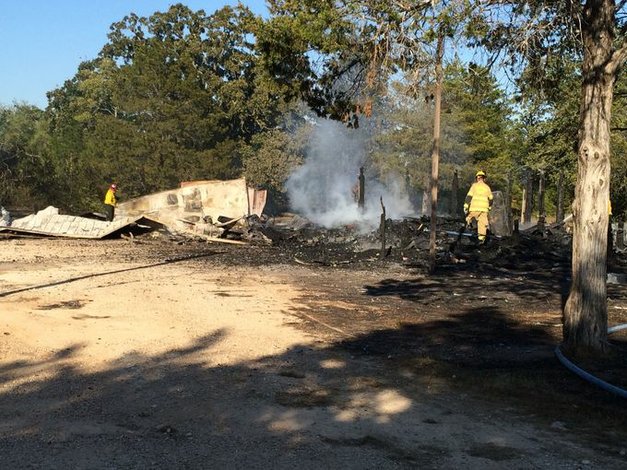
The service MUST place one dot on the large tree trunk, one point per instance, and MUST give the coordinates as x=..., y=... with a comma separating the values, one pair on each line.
x=585, y=312
x=435, y=155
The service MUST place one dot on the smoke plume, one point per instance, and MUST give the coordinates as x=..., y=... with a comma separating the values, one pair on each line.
x=322, y=189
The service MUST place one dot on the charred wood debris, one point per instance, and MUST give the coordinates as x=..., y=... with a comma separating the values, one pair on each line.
x=292, y=239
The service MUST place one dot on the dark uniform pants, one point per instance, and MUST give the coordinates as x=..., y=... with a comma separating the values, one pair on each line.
x=109, y=211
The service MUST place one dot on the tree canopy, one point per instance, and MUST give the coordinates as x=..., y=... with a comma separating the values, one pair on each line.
x=171, y=97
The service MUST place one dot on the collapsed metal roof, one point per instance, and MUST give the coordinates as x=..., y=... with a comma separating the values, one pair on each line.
x=48, y=222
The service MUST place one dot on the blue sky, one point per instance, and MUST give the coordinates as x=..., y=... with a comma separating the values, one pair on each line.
x=42, y=42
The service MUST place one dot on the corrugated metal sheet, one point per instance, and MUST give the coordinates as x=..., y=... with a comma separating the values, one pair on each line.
x=49, y=222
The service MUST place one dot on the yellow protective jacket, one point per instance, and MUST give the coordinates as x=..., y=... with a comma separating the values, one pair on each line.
x=479, y=198
x=110, y=198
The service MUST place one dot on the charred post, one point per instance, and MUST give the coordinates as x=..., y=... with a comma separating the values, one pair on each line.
x=454, y=194
x=541, y=193
x=362, y=187
x=382, y=230
x=527, y=199
x=560, y=199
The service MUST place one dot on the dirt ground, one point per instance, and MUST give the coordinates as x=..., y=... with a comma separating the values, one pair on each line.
x=153, y=354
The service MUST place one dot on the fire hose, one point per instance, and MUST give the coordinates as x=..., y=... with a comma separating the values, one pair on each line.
x=621, y=392
x=169, y=260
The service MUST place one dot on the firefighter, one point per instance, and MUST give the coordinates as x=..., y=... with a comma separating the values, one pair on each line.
x=478, y=204
x=110, y=201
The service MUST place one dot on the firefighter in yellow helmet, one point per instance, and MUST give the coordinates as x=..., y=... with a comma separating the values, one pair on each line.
x=111, y=201
x=478, y=204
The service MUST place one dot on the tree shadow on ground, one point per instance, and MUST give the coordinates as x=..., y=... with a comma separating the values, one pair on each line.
x=498, y=328
x=386, y=398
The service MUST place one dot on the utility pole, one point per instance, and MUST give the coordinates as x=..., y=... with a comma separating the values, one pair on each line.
x=435, y=155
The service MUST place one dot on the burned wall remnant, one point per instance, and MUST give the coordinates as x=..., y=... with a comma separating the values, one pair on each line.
x=198, y=200
x=499, y=219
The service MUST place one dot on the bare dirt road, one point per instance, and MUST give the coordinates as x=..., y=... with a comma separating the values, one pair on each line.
x=156, y=355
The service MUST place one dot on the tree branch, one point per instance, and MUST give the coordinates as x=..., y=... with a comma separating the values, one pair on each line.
x=618, y=57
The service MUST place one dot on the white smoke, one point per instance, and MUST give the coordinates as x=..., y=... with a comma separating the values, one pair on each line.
x=322, y=188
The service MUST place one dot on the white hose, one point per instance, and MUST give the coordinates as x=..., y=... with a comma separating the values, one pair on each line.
x=588, y=376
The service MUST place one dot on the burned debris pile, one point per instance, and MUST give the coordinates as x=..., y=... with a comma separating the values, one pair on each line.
x=407, y=243
x=291, y=238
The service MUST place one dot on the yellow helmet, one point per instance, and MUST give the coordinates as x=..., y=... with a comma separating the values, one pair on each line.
x=480, y=173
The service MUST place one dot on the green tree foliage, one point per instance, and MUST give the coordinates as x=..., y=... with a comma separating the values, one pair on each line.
x=175, y=96
x=549, y=127
x=619, y=151
x=336, y=54
x=273, y=155
x=475, y=130
x=26, y=176
x=476, y=107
